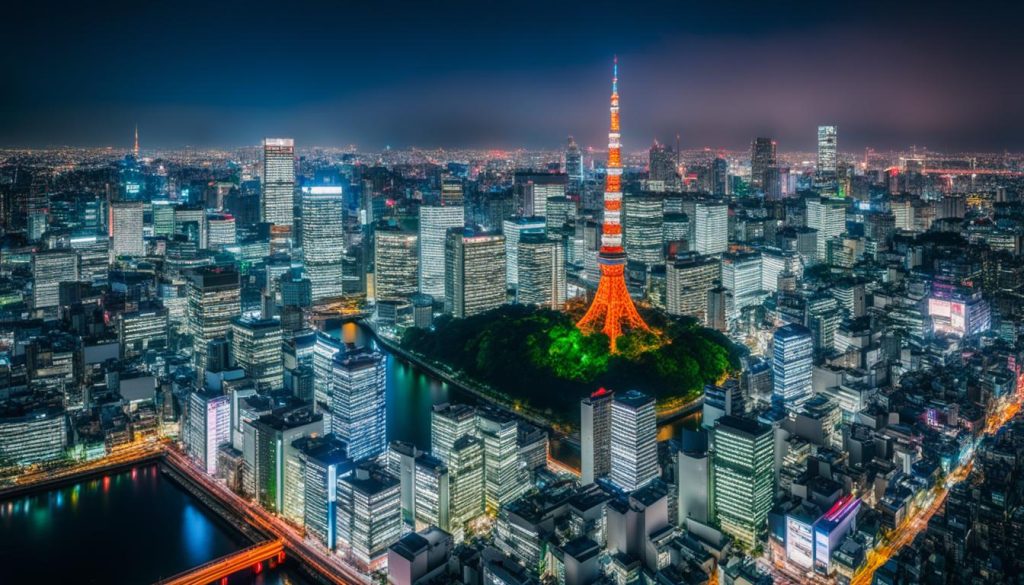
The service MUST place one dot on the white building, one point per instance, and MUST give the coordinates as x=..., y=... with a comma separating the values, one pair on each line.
x=634, y=441
x=435, y=221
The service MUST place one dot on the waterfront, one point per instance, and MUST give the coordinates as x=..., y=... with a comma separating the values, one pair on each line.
x=131, y=527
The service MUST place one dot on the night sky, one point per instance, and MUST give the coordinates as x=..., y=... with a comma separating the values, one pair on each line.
x=938, y=74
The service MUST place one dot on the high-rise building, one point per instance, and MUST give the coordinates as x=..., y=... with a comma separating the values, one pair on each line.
x=369, y=516
x=93, y=257
x=612, y=307
x=432, y=488
x=325, y=462
x=720, y=177
x=323, y=240
x=466, y=490
x=693, y=475
x=325, y=348
x=513, y=228
x=126, y=228
x=278, y=183
x=256, y=348
x=634, y=441
x=541, y=272
x=474, y=272
x=452, y=191
x=435, y=221
x=743, y=477
x=574, y=166
x=711, y=228
x=534, y=190
x=596, y=435
x=827, y=156
x=395, y=263
x=687, y=282
x=358, y=402
x=504, y=479
x=32, y=435
x=828, y=217
x=448, y=424
x=276, y=465
x=762, y=158
x=214, y=299
x=142, y=329
x=207, y=426
x=792, y=365
x=49, y=269
x=662, y=164
x=220, y=230
x=741, y=275
x=643, y=216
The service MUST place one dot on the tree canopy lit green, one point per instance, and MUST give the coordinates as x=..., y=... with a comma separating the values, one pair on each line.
x=538, y=356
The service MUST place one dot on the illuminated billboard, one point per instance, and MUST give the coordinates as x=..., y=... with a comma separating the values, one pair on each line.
x=799, y=545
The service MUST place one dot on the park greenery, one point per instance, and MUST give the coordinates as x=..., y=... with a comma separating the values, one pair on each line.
x=539, y=358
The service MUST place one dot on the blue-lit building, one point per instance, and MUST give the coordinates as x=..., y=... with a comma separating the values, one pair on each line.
x=357, y=402
x=792, y=365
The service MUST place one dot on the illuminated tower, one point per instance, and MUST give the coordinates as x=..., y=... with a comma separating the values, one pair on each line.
x=612, y=308
x=136, y=149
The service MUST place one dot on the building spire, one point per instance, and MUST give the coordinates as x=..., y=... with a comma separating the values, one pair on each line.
x=136, y=149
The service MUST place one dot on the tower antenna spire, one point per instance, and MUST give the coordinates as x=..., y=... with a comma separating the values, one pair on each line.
x=612, y=308
x=136, y=149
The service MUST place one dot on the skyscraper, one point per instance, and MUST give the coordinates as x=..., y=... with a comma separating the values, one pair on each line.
x=358, y=402
x=214, y=299
x=323, y=240
x=395, y=263
x=719, y=177
x=662, y=164
x=369, y=515
x=273, y=450
x=207, y=426
x=49, y=269
x=634, y=441
x=596, y=435
x=466, y=491
x=513, y=228
x=126, y=228
x=474, y=272
x=643, y=216
x=743, y=477
x=448, y=424
x=687, y=282
x=741, y=274
x=435, y=221
x=534, y=190
x=278, y=184
x=826, y=174
x=256, y=348
x=541, y=272
x=762, y=158
x=792, y=365
x=504, y=479
x=574, y=166
x=612, y=307
x=711, y=228
x=828, y=217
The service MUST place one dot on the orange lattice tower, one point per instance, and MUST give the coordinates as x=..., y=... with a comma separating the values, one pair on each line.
x=612, y=308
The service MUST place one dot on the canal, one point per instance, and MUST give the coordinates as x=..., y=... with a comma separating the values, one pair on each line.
x=132, y=528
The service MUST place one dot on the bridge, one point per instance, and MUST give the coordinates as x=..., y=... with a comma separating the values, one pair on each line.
x=218, y=570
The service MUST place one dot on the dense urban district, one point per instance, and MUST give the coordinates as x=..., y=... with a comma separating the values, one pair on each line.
x=841, y=330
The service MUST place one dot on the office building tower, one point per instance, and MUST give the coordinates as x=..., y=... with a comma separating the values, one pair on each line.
x=634, y=441
x=452, y=192
x=534, y=190
x=513, y=229
x=541, y=264
x=792, y=365
x=296, y=290
x=448, y=424
x=220, y=231
x=720, y=177
x=762, y=158
x=278, y=183
x=675, y=227
x=741, y=275
x=643, y=217
x=143, y=329
x=323, y=240
x=720, y=307
x=711, y=228
x=828, y=217
x=504, y=479
x=93, y=257
x=466, y=491
x=190, y=221
x=827, y=156
x=561, y=211
x=596, y=435
x=358, y=402
x=325, y=462
x=32, y=435
x=256, y=348
x=662, y=165
x=743, y=477
x=432, y=492
x=325, y=348
x=574, y=166
x=276, y=467
x=126, y=228
x=214, y=299
x=49, y=269
x=369, y=516
x=207, y=426
x=435, y=221
x=687, y=282
x=693, y=478
x=395, y=263
x=611, y=307
x=474, y=272
x=420, y=557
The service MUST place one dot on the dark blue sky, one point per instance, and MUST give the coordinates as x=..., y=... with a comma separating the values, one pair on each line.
x=938, y=74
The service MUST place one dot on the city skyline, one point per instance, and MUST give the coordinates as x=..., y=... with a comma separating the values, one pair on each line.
x=915, y=73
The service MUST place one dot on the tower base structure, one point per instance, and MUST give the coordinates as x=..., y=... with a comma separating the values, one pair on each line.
x=612, y=309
